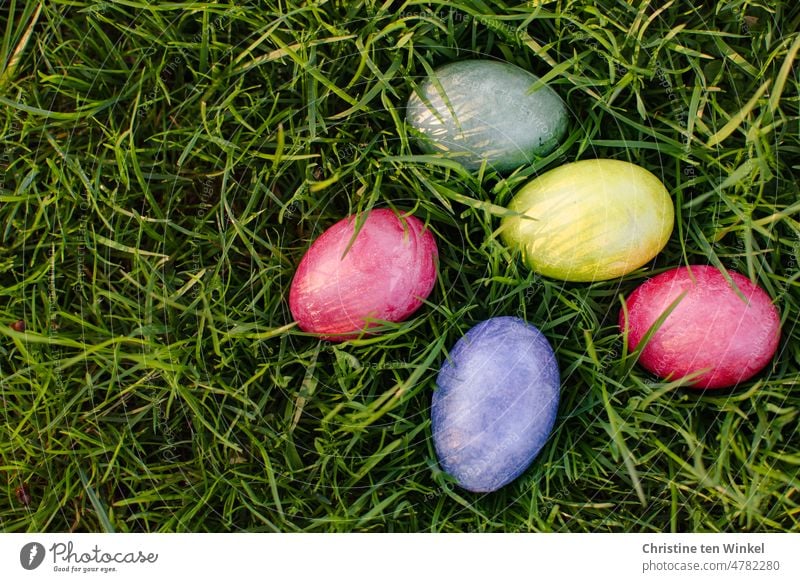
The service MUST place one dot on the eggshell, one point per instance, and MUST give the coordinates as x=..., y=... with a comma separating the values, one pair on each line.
x=590, y=220
x=495, y=404
x=478, y=110
x=384, y=276
x=727, y=336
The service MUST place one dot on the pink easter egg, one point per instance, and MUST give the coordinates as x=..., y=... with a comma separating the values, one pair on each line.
x=384, y=275
x=723, y=336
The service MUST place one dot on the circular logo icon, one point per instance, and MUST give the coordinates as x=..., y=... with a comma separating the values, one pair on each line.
x=31, y=555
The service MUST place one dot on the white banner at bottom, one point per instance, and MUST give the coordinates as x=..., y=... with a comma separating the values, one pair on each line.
x=400, y=557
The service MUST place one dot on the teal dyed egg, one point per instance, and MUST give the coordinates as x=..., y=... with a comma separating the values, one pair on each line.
x=479, y=110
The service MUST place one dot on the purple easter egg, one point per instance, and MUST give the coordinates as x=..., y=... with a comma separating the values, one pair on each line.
x=496, y=403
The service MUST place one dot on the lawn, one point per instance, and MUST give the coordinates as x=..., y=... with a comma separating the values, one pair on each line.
x=165, y=165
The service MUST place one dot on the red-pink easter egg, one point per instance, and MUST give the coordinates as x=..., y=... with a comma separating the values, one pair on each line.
x=723, y=336
x=384, y=275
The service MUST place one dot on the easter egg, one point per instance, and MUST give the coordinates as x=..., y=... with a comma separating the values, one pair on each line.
x=348, y=283
x=590, y=220
x=718, y=334
x=495, y=403
x=478, y=110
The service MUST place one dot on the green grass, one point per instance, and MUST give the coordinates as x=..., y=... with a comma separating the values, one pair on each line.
x=165, y=165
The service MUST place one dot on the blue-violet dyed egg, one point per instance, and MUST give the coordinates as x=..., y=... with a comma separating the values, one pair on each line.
x=495, y=404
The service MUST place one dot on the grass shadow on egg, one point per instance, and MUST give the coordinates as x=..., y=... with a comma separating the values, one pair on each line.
x=481, y=111
x=696, y=321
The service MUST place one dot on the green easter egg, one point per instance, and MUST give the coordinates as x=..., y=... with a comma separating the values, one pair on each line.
x=478, y=110
x=590, y=220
